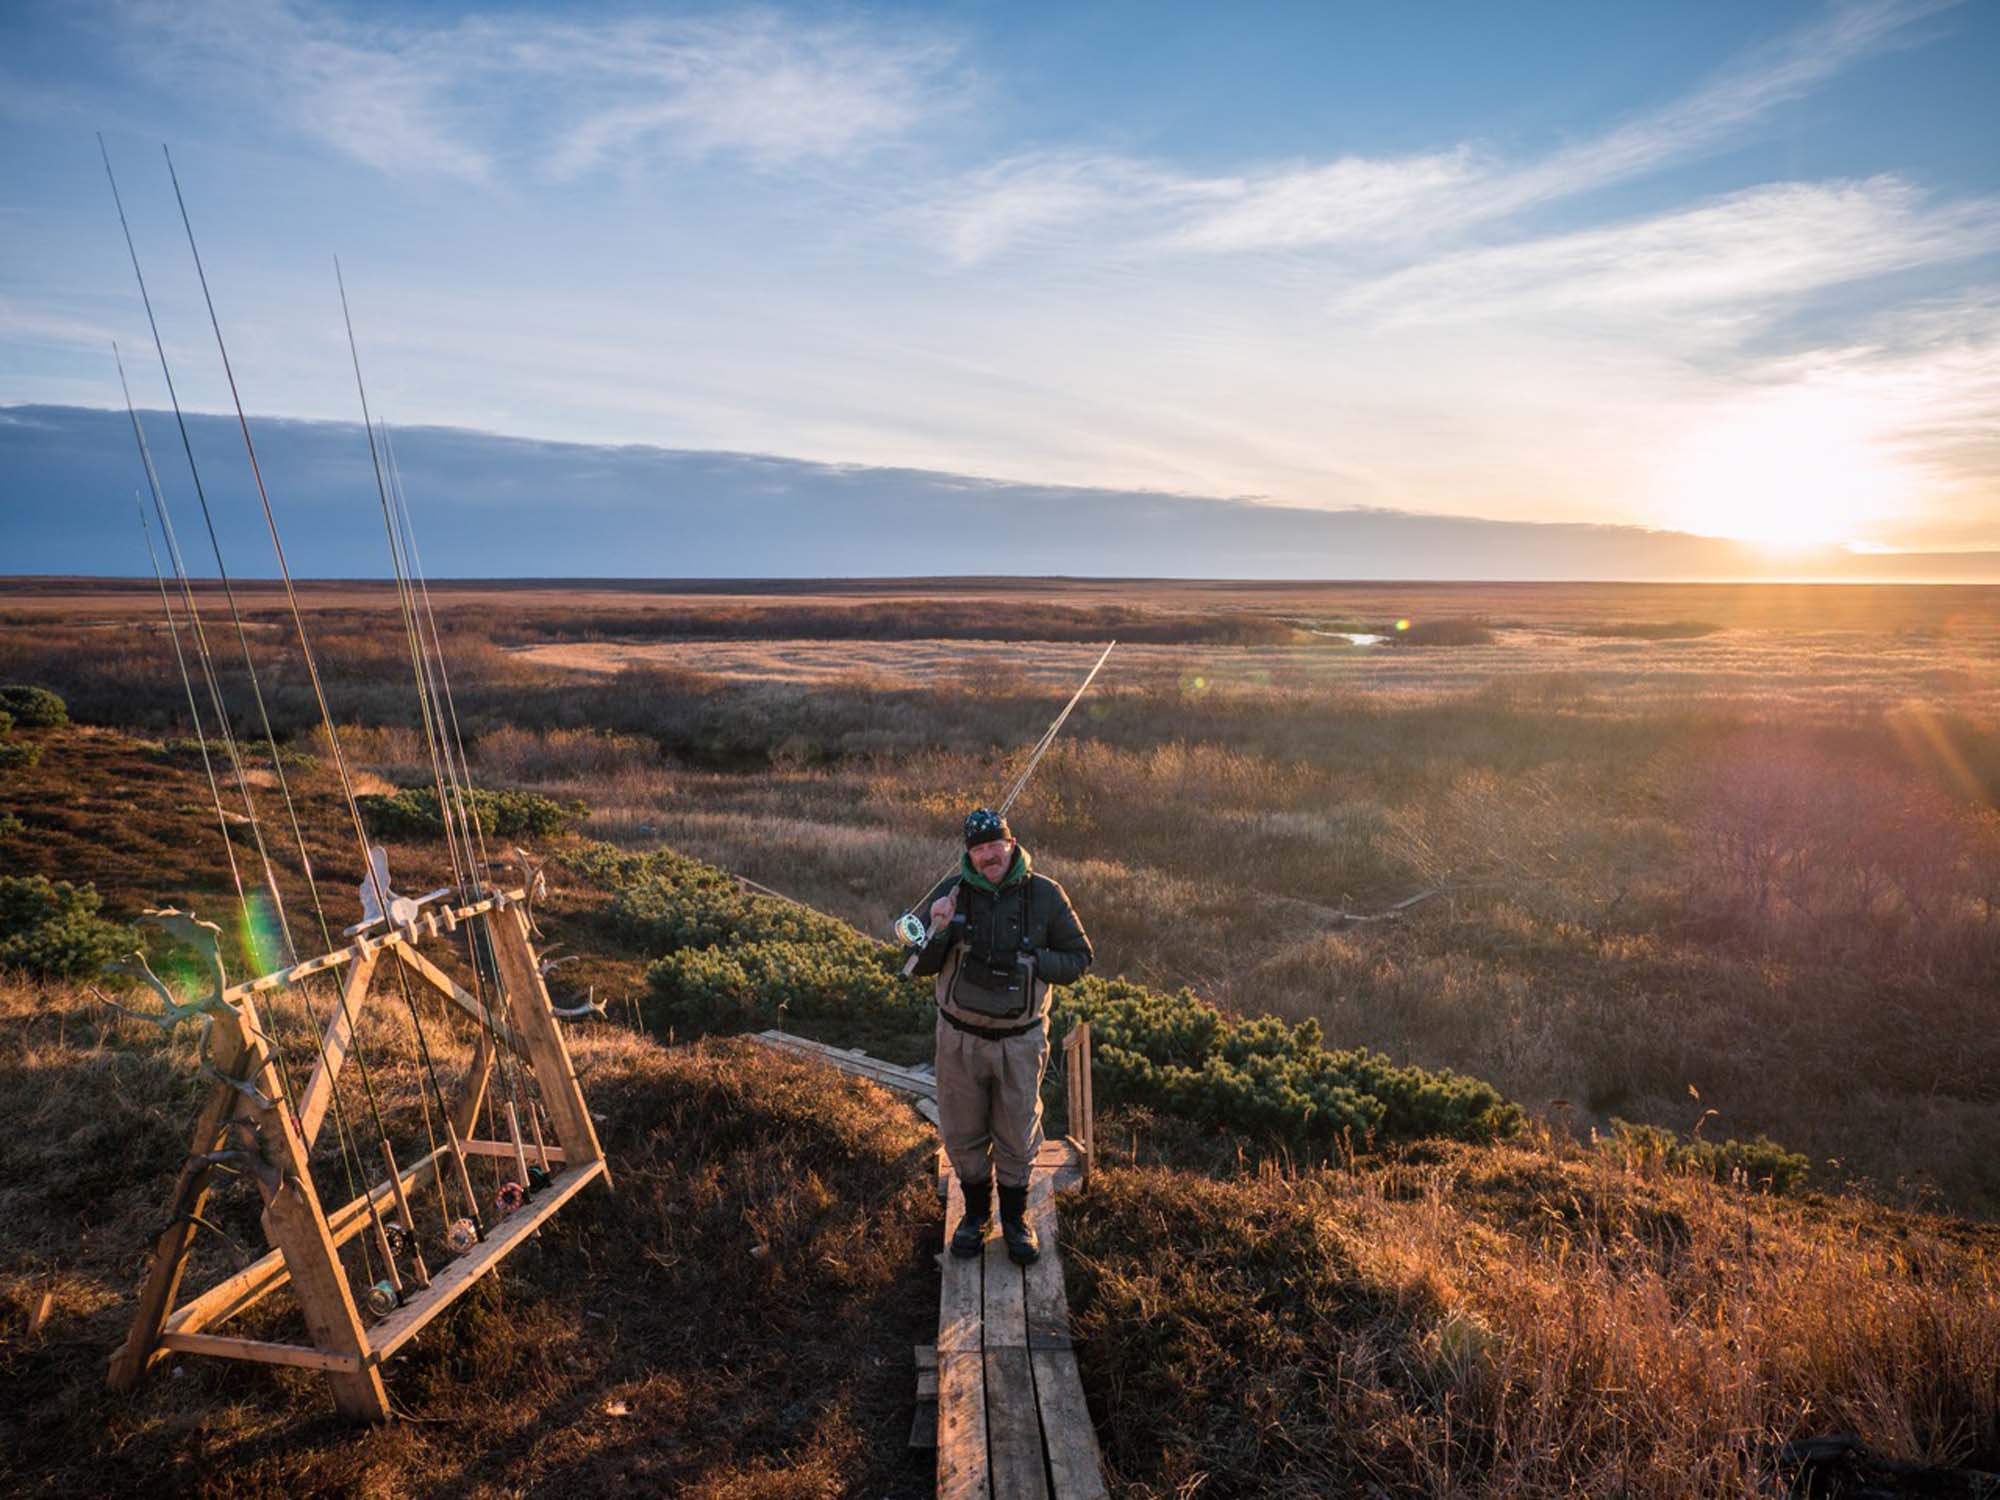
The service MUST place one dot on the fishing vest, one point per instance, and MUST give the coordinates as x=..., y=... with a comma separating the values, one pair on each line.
x=984, y=979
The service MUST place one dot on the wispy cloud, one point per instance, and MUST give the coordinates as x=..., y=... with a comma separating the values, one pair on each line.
x=1755, y=248
x=1713, y=115
x=755, y=83
x=1396, y=202
x=377, y=93
x=562, y=97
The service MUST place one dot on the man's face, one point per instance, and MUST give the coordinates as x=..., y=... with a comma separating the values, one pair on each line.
x=992, y=859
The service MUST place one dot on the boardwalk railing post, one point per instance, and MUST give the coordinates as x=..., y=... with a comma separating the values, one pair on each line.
x=1086, y=1126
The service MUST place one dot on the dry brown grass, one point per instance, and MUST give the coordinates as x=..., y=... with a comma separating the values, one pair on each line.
x=1529, y=1320
x=638, y=1343
x=1762, y=861
x=1526, y=1320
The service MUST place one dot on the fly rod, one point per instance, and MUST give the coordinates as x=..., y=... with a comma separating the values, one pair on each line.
x=913, y=928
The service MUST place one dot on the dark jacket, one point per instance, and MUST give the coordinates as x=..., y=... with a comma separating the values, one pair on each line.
x=1026, y=916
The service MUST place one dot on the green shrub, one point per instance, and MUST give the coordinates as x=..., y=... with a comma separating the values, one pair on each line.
x=33, y=707
x=1759, y=1163
x=52, y=929
x=413, y=813
x=741, y=986
x=6, y=721
x=188, y=748
x=16, y=756
x=730, y=959
x=1180, y=1053
x=10, y=826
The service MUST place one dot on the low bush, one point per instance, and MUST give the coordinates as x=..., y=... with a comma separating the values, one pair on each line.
x=187, y=748
x=52, y=929
x=6, y=721
x=33, y=707
x=1178, y=1053
x=1758, y=1163
x=413, y=813
x=741, y=986
x=17, y=756
x=730, y=959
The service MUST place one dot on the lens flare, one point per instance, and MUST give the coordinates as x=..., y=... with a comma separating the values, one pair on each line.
x=1402, y=624
x=258, y=931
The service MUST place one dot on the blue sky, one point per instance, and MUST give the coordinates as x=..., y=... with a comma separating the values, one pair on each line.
x=1724, y=268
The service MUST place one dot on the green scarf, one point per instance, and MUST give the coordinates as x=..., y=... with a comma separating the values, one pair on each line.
x=1016, y=872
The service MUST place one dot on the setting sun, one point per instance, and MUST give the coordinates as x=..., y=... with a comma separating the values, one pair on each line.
x=1798, y=471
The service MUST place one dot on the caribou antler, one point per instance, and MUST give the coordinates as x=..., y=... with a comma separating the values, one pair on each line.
x=590, y=1007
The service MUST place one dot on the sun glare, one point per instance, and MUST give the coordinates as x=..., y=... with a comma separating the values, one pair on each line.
x=1800, y=471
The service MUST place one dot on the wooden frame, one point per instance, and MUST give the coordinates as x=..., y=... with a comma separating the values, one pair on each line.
x=305, y=1239
x=1077, y=1094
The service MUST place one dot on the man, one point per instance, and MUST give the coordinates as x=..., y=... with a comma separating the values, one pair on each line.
x=1000, y=936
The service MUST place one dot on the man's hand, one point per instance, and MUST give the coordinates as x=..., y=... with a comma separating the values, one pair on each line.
x=941, y=912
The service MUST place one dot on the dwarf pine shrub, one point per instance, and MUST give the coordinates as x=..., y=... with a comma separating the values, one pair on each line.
x=52, y=929
x=729, y=959
x=413, y=813
x=1181, y=1053
x=33, y=707
x=188, y=748
x=1756, y=1163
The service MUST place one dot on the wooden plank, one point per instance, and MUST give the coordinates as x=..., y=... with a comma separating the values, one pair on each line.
x=527, y=1001
x=339, y=1038
x=960, y=1299
x=456, y=1279
x=223, y=1347
x=962, y=1469
x=506, y=1149
x=1005, y=1317
x=1047, y=1310
x=924, y=1425
x=1088, y=1135
x=889, y=1075
x=295, y=1223
x=265, y=1275
x=850, y=1059
x=1013, y=1426
x=281, y=977
x=1074, y=1460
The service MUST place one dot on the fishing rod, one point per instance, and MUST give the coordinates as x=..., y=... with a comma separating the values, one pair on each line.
x=914, y=928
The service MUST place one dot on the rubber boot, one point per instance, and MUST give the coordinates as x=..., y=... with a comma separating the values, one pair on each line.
x=1022, y=1247
x=970, y=1236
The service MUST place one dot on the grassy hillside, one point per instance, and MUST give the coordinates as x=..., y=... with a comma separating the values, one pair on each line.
x=735, y=1319
x=1305, y=1268
x=1665, y=855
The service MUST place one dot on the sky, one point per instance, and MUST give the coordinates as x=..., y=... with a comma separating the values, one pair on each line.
x=1726, y=269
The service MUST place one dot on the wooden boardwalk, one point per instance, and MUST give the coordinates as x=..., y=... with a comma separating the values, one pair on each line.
x=1011, y=1419
x=1011, y=1423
